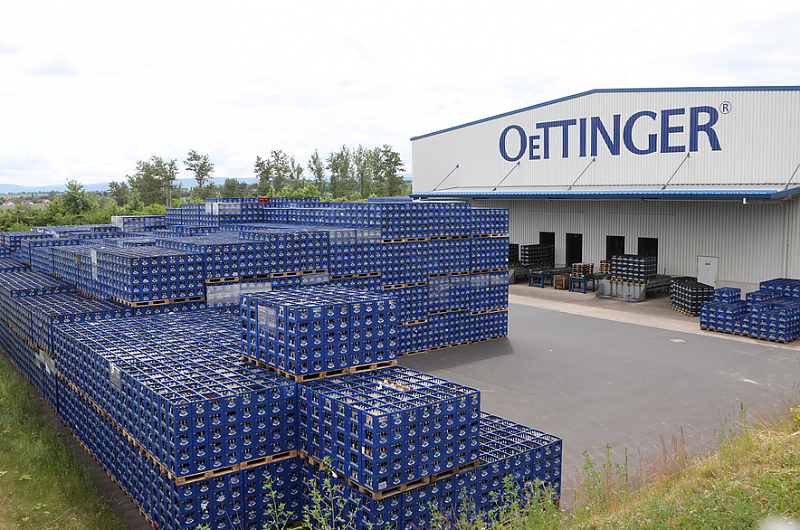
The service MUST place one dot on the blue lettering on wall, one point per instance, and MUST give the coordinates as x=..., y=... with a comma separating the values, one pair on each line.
x=597, y=126
x=666, y=130
x=671, y=130
x=564, y=124
x=695, y=127
x=627, y=134
x=522, y=143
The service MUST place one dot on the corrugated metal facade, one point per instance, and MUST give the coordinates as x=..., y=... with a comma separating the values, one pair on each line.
x=634, y=143
x=750, y=140
x=750, y=240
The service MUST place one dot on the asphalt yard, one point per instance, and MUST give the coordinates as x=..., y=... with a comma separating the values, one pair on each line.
x=597, y=372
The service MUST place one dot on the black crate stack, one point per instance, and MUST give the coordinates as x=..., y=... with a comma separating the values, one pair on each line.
x=537, y=255
x=513, y=254
x=687, y=295
x=633, y=268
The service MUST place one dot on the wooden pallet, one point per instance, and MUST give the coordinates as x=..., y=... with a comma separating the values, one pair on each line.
x=635, y=282
x=356, y=275
x=439, y=238
x=443, y=311
x=412, y=322
x=684, y=312
x=302, y=378
x=84, y=293
x=443, y=274
x=221, y=280
x=488, y=311
x=484, y=271
x=405, y=239
x=378, y=495
x=489, y=235
x=148, y=303
x=401, y=285
x=372, y=366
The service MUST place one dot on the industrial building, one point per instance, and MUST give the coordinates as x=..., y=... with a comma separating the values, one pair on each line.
x=690, y=175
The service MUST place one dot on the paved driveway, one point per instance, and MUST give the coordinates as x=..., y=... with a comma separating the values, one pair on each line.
x=594, y=381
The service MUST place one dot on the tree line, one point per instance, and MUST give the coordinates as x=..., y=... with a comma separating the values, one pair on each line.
x=347, y=174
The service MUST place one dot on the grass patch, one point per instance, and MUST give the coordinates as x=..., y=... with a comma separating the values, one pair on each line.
x=753, y=476
x=42, y=485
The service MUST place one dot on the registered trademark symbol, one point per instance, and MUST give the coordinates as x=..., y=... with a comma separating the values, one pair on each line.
x=725, y=107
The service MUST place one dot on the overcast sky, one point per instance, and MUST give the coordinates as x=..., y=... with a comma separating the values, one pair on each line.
x=89, y=88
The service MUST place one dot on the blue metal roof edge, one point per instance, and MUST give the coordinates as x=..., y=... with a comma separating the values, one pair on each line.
x=611, y=91
x=614, y=194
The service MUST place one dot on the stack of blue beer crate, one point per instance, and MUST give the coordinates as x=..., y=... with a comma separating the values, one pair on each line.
x=167, y=404
x=401, y=443
x=770, y=313
x=320, y=329
x=191, y=432
x=12, y=265
x=23, y=253
x=13, y=240
x=145, y=274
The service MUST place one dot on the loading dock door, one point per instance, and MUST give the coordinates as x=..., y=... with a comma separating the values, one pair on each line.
x=574, y=244
x=547, y=238
x=615, y=246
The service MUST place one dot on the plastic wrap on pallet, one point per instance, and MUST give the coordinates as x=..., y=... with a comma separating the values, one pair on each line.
x=449, y=255
x=35, y=364
x=391, y=418
x=484, y=326
x=138, y=223
x=192, y=401
x=446, y=329
x=320, y=328
x=229, y=293
x=488, y=291
x=76, y=266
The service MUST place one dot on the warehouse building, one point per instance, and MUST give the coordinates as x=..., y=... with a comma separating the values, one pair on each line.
x=696, y=176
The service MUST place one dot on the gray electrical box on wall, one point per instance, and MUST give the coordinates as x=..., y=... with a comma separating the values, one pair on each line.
x=708, y=270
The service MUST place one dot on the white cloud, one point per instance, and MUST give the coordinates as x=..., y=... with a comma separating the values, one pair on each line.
x=126, y=81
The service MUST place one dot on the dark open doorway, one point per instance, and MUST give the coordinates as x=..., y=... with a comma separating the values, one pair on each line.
x=615, y=245
x=547, y=238
x=648, y=246
x=574, y=248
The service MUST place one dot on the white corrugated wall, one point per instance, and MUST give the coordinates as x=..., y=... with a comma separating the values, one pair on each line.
x=750, y=240
x=757, y=144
